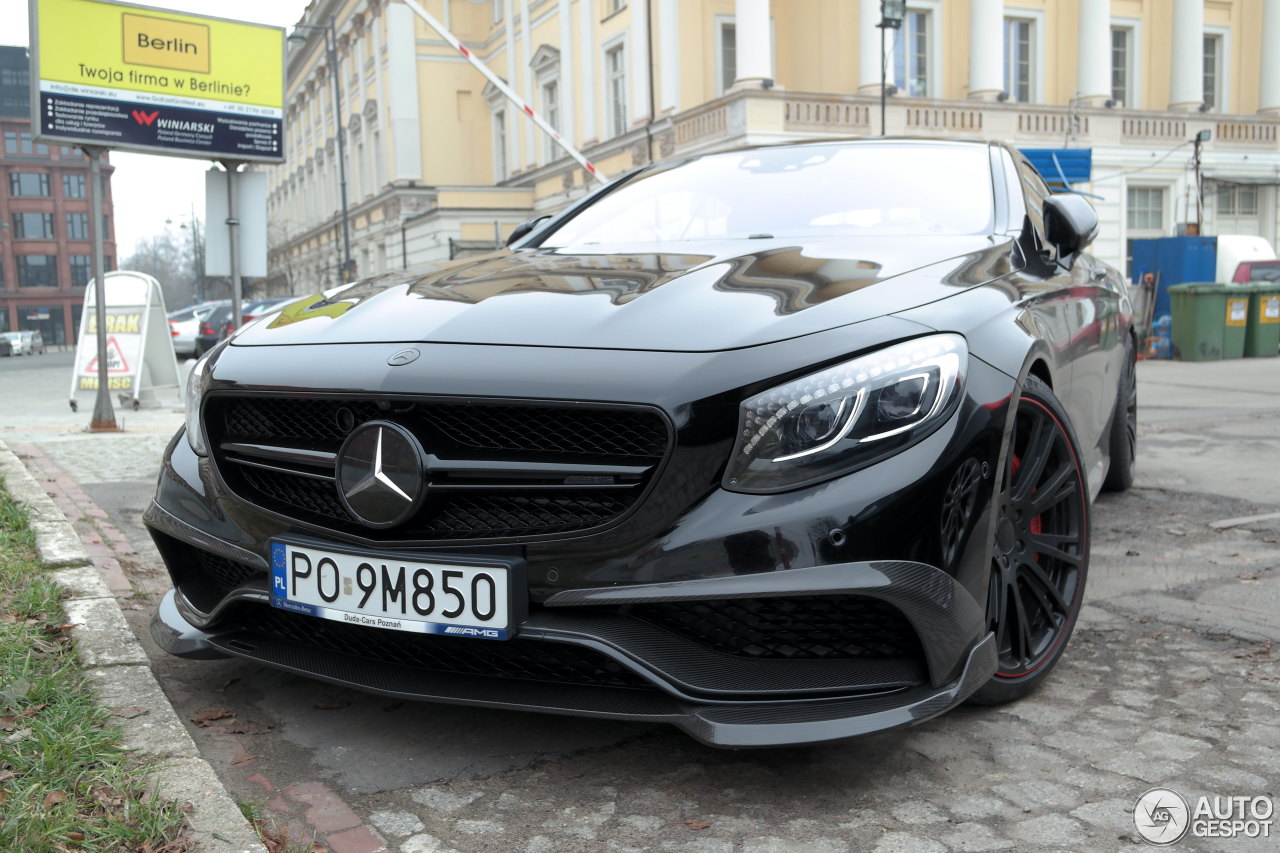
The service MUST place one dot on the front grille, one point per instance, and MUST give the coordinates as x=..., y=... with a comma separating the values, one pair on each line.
x=573, y=430
x=605, y=458
x=535, y=429
x=841, y=627
x=532, y=660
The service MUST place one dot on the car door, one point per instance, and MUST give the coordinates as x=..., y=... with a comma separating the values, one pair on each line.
x=1076, y=310
x=1044, y=288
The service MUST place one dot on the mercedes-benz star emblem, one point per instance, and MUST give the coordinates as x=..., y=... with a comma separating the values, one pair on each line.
x=380, y=474
x=403, y=357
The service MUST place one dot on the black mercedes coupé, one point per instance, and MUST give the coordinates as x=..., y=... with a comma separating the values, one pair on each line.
x=777, y=445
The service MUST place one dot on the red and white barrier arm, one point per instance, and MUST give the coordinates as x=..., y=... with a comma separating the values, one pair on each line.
x=505, y=89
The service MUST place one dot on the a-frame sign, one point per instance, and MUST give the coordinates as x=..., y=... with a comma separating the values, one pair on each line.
x=139, y=347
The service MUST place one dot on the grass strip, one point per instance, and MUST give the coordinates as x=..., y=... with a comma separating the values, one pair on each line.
x=65, y=782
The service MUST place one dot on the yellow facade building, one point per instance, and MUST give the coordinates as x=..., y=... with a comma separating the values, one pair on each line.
x=440, y=164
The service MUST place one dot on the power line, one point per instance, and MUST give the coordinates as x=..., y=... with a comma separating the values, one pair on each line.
x=1150, y=165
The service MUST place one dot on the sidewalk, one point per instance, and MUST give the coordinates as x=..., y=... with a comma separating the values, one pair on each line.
x=96, y=582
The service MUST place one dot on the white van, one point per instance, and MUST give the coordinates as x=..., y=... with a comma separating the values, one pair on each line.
x=1234, y=248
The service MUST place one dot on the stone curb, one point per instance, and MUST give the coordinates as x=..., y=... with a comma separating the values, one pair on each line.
x=116, y=664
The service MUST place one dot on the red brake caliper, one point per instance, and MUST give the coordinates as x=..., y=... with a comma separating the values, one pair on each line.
x=1035, y=525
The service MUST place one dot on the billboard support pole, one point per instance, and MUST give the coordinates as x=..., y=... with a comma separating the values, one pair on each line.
x=233, y=234
x=104, y=416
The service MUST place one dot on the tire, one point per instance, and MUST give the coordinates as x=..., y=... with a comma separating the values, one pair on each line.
x=1040, y=553
x=1123, y=442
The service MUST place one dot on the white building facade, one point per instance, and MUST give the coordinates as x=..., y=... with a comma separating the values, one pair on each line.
x=440, y=165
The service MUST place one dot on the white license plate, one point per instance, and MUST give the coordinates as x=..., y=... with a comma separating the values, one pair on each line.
x=391, y=593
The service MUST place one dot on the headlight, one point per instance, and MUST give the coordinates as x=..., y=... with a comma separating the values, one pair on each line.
x=197, y=383
x=847, y=416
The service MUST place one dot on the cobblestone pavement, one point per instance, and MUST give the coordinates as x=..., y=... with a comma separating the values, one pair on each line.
x=1133, y=706
x=1170, y=680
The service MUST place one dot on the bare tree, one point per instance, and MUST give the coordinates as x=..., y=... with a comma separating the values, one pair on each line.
x=176, y=260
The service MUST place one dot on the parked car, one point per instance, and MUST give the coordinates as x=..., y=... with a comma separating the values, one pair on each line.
x=6, y=348
x=1257, y=271
x=776, y=445
x=25, y=342
x=254, y=310
x=213, y=327
x=184, y=325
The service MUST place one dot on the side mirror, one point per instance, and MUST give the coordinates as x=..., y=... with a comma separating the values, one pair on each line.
x=526, y=228
x=1070, y=224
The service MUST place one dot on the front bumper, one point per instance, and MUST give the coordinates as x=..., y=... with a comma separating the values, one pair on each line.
x=583, y=652
x=723, y=724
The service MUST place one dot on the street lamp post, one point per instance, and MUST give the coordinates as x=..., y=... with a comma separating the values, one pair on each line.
x=331, y=48
x=197, y=251
x=891, y=14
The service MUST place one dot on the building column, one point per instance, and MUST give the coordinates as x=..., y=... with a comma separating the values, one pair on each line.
x=986, y=49
x=513, y=126
x=869, y=37
x=1093, y=73
x=529, y=151
x=586, y=43
x=1186, y=77
x=568, y=96
x=402, y=105
x=754, y=44
x=1269, y=88
x=669, y=55
x=639, y=99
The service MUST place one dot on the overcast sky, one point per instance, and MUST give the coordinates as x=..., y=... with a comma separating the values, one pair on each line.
x=151, y=189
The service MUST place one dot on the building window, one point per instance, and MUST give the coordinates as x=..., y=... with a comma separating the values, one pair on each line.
x=81, y=270
x=611, y=6
x=498, y=6
x=20, y=143
x=911, y=57
x=1017, y=58
x=499, y=145
x=615, y=65
x=33, y=226
x=1121, y=75
x=16, y=77
x=551, y=115
x=1237, y=200
x=728, y=68
x=73, y=186
x=37, y=270
x=106, y=227
x=1213, y=71
x=77, y=226
x=28, y=183
x=1145, y=208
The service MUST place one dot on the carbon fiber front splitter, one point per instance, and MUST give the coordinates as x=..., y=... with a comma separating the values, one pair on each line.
x=767, y=722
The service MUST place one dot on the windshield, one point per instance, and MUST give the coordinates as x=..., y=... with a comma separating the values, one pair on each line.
x=795, y=191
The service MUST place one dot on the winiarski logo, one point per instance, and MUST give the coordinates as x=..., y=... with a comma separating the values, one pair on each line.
x=1161, y=816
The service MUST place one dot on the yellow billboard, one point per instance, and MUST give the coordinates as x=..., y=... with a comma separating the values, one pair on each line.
x=127, y=76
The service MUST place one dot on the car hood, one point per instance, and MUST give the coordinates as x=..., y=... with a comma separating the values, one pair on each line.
x=616, y=298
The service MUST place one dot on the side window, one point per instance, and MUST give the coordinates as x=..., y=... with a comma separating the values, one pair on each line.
x=1034, y=193
x=1017, y=206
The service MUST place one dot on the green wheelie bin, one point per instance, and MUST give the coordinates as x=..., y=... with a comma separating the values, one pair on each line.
x=1209, y=321
x=1262, y=334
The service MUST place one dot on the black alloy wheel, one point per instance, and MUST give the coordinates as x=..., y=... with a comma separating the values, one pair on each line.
x=1041, y=548
x=1123, y=444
